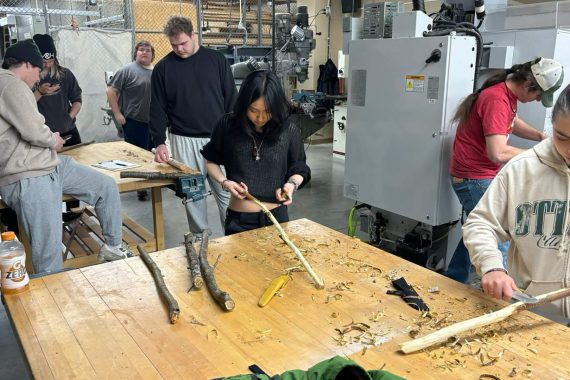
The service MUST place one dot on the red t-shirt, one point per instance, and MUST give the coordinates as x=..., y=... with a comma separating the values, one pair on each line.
x=493, y=113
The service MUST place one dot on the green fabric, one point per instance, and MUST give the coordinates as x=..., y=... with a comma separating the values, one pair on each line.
x=336, y=368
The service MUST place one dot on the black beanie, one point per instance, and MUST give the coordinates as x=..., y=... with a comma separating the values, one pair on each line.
x=25, y=51
x=46, y=45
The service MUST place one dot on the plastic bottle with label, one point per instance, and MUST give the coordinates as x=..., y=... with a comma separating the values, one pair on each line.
x=13, y=265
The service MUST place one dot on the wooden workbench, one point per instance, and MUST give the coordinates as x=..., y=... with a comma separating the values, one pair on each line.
x=121, y=150
x=108, y=321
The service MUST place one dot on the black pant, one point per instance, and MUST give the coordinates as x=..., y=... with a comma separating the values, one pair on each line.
x=75, y=138
x=245, y=221
x=138, y=133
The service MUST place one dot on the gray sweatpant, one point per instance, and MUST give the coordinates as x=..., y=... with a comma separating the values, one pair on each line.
x=187, y=150
x=37, y=202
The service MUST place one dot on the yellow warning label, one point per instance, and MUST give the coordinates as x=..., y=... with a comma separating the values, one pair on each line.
x=415, y=83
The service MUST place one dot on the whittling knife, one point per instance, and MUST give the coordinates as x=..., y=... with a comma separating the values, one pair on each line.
x=523, y=297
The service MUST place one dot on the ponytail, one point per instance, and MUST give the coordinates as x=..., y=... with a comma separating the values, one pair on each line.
x=517, y=73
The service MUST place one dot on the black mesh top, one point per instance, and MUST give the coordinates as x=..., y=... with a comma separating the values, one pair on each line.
x=279, y=157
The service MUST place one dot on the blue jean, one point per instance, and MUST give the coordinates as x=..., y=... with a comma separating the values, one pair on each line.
x=469, y=192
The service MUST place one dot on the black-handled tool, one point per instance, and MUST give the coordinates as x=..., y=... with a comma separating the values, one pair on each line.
x=408, y=294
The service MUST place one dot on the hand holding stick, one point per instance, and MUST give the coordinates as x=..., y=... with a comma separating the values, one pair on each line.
x=319, y=284
x=177, y=164
x=173, y=309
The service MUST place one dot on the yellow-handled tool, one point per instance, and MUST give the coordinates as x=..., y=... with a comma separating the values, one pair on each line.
x=277, y=284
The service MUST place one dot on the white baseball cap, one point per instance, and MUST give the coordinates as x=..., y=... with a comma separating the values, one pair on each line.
x=549, y=75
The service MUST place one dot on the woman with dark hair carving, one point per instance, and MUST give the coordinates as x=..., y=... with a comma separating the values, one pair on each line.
x=262, y=152
x=485, y=121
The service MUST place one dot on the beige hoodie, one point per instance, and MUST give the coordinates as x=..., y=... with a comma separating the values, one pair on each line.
x=527, y=203
x=26, y=144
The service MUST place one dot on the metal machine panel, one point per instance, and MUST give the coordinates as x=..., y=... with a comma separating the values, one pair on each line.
x=378, y=19
x=339, y=130
x=410, y=24
x=398, y=146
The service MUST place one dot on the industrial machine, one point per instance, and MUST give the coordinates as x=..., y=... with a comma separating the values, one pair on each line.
x=339, y=112
x=108, y=116
x=293, y=44
x=402, y=94
x=399, y=138
x=339, y=130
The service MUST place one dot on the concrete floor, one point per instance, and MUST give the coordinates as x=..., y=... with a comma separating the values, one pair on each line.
x=321, y=201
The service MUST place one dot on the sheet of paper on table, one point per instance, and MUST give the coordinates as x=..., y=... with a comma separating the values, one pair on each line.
x=115, y=165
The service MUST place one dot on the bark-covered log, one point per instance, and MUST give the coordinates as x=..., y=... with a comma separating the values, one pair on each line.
x=152, y=175
x=222, y=298
x=173, y=309
x=194, y=262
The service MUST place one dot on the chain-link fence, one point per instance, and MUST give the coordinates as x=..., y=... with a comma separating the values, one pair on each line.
x=21, y=19
x=237, y=23
x=149, y=17
x=218, y=23
x=95, y=37
x=91, y=37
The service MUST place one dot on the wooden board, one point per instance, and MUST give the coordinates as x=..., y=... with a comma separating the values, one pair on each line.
x=108, y=320
x=94, y=153
x=120, y=150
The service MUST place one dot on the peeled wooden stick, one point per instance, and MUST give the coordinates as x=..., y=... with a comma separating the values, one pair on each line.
x=197, y=281
x=173, y=309
x=319, y=283
x=177, y=164
x=222, y=298
x=445, y=333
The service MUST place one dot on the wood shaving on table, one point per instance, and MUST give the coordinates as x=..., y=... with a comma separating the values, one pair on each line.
x=195, y=321
x=342, y=286
x=213, y=333
x=434, y=289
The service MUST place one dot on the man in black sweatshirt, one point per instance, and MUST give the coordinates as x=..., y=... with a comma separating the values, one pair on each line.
x=192, y=88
